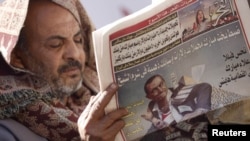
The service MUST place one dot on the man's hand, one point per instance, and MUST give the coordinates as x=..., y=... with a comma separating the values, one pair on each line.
x=159, y=124
x=148, y=116
x=94, y=124
x=196, y=113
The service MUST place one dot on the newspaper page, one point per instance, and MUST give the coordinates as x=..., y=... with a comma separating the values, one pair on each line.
x=192, y=55
x=11, y=10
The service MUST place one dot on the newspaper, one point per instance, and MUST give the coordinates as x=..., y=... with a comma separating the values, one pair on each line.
x=15, y=11
x=165, y=39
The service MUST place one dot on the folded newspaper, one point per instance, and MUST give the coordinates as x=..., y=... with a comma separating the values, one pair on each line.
x=175, y=60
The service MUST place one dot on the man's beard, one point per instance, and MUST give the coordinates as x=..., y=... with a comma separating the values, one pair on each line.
x=57, y=83
x=61, y=90
x=59, y=87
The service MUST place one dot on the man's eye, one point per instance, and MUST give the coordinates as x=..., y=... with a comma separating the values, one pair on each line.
x=56, y=45
x=79, y=40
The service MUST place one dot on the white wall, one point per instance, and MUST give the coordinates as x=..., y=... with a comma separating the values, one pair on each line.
x=103, y=12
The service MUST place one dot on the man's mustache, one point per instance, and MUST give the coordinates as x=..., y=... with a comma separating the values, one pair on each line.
x=69, y=65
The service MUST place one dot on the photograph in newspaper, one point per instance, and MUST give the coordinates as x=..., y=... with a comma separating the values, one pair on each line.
x=186, y=60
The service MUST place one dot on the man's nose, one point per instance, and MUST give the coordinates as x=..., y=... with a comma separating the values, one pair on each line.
x=72, y=51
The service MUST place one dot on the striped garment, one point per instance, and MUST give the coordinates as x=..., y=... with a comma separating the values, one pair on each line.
x=182, y=95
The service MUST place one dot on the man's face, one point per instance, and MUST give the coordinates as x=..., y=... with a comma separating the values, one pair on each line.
x=157, y=89
x=54, y=47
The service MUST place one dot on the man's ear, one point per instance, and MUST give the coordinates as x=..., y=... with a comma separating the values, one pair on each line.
x=16, y=59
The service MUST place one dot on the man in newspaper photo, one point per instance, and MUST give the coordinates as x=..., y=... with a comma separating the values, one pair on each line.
x=168, y=105
x=48, y=75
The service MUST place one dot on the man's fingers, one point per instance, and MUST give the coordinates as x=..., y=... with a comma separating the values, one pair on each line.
x=113, y=130
x=107, y=134
x=107, y=95
x=88, y=108
x=106, y=128
x=113, y=116
x=93, y=120
x=110, y=91
x=102, y=100
x=113, y=123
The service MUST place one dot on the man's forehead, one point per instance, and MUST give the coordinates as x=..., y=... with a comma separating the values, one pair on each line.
x=62, y=30
x=49, y=17
x=66, y=26
x=67, y=5
x=157, y=78
x=45, y=10
x=156, y=81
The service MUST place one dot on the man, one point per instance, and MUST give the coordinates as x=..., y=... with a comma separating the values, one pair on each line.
x=49, y=76
x=168, y=105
